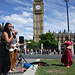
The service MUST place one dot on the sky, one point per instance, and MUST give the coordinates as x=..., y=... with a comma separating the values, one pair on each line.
x=20, y=14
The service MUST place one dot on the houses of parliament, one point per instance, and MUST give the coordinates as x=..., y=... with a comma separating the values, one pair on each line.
x=62, y=36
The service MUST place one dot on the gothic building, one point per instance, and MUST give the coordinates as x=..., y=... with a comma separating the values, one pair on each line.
x=62, y=36
x=38, y=19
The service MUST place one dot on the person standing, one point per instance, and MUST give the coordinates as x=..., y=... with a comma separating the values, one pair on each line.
x=6, y=39
x=13, y=54
x=54, y=51
x=49, y=51
x=67, y=55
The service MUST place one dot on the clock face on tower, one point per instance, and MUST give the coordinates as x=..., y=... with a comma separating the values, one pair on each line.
x=38, y=7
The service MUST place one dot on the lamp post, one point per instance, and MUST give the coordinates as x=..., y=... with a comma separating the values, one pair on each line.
x=41, y=47
x=25, y=46
x=67, y=13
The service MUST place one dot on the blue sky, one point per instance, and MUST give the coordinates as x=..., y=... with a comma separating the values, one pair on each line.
x=20, y=14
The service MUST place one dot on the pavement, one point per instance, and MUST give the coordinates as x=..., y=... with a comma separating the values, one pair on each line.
x=29, y=71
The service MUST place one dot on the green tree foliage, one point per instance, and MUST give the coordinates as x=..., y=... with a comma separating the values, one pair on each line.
x=32, y=45
x=48, y=40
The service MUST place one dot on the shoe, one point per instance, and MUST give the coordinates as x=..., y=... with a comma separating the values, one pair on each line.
x=10, y=71
x=13, y=69
x=68, y=66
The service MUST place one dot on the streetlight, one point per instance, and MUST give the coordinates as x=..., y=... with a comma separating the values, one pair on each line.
x=67, y=14
x=41, y=47
x=25, y=46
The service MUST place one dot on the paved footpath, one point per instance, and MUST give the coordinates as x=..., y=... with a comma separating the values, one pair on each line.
x=28, y=61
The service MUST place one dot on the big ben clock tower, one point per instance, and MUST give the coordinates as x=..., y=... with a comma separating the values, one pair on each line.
x=38, y=19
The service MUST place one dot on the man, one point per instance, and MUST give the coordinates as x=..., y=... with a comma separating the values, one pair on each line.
x=13, y=53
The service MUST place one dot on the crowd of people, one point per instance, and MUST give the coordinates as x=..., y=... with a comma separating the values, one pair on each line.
x=38, y=51
x=8, y=52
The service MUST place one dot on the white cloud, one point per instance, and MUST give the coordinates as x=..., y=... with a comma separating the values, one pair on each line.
x=21, y=23
x=15, y=19
x=31, y=9
x=23, y=18
x=26, y=14
x=59, y=21
x=28, y=35
x=55, y=17
x=19, y=2
x=72, y=7
x=20, y=8
x=30, y=29
x=72, y=21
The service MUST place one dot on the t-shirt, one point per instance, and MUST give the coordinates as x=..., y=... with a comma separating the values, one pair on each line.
x=14, y=41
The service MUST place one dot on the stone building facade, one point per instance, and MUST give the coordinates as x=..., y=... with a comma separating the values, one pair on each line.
x=38, y=19
x=62, y=36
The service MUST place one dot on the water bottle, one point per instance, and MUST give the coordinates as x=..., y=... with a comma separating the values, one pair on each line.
x=33, y=67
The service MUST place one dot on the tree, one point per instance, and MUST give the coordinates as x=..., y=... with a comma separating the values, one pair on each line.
x=64, y=31
x=59, y=32
x=48, y=41
x=32, y=45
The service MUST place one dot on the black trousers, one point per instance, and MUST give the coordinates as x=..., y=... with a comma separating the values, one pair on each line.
x=4, y=59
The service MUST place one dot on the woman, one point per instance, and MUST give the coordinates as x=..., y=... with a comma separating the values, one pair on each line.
x=6, y=39
x=67, y=56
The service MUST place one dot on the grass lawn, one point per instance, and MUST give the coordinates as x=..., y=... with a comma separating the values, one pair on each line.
x=55, y=68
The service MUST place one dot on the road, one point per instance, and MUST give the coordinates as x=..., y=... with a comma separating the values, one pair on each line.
x=44, y=56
